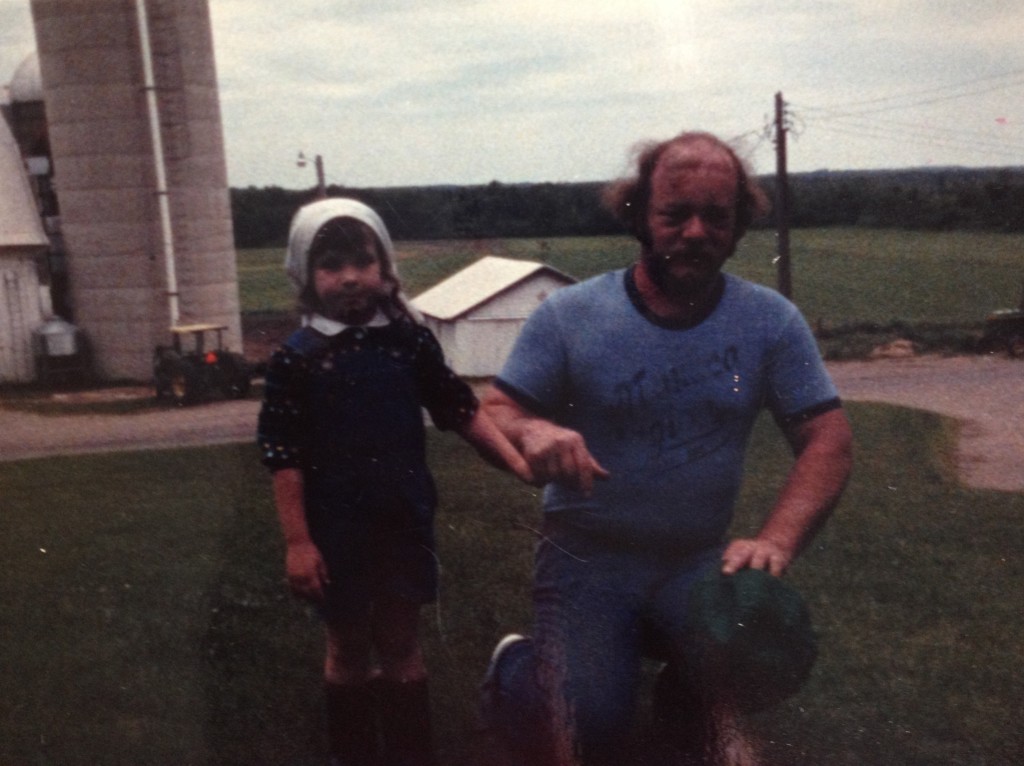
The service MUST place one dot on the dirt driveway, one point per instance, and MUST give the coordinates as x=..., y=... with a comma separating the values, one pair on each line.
x=985, y=393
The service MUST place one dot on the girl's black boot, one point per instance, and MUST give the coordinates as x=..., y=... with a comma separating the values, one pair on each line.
x=405, y=723
x=352, y=725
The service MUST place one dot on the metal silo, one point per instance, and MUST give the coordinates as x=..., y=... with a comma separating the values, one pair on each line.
x=138, y=153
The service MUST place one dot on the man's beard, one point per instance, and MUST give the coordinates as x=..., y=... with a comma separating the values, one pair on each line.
x=683, y=288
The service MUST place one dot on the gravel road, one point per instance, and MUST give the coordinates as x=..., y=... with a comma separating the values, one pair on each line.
x=985, y=393
x=28, y=435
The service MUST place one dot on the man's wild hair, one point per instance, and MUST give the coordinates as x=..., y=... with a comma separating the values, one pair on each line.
x=628, y=198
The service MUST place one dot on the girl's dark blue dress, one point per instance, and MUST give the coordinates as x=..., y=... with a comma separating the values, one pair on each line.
x=346, y=411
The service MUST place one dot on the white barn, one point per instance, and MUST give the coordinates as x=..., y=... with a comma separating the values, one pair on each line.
x=24, y=301
x=477, y=313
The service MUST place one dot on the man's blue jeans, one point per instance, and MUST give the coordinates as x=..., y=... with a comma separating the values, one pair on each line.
x=597, y=603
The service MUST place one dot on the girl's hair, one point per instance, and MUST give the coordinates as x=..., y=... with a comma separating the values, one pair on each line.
x=347, y=236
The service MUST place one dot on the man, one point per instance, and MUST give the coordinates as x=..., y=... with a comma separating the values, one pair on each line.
x=631, y=396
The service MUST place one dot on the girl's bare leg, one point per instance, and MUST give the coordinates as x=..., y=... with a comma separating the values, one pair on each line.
x=404, y=696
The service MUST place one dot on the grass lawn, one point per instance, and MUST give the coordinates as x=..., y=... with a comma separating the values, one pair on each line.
x=146, y=622
x=840, y=276
x=860, y=288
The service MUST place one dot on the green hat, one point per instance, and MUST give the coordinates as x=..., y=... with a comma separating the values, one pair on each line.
x=753, y=640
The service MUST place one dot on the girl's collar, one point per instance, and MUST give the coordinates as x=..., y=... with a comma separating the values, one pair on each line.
x=330, y=327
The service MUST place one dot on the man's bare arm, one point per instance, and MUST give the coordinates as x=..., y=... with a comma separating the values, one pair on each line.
x=823, y=447
x=553, y=453
x=494, y=446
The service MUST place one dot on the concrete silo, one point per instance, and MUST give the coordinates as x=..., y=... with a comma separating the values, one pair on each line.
x=138, y=153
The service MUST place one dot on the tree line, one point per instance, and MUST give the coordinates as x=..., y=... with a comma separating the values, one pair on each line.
x=933, y=199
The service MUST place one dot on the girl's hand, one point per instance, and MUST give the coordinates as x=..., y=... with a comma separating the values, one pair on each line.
x=494, y=446
x=306, y=571
x=549, y=451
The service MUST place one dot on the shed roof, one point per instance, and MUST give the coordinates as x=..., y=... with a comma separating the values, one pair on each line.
x=26, y=84
x=477, y=283
x=20, y=225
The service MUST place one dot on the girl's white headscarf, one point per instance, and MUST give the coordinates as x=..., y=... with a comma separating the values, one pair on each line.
x=308, y=221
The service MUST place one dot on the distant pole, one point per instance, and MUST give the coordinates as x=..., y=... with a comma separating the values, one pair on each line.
x=785, y=278
x=321, y=187
x=318, y=163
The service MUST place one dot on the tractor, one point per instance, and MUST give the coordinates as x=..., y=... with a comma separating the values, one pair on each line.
x=190, y=370
x=1004, y=329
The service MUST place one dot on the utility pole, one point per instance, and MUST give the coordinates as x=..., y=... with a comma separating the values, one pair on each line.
x=321, y=187
x=318, y=164
x=785, y=278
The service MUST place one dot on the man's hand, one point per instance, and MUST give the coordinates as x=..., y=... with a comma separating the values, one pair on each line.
x=559, y=454
x=306, y=571
x=755, y=554
x=552, y=452
x=822, y=447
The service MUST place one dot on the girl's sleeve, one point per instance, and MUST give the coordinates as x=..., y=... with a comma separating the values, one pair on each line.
x=449, y=399
x=282, y=425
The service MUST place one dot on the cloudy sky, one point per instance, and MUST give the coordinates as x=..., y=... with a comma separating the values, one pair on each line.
x=408, y=92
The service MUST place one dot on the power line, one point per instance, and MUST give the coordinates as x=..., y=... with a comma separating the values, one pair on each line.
x=985, y=149
x=860, y=118
x=760, y=137
x=930, y=133
x=921, y=130
x=849, y=121
x=1016, y=77
x=923, y=102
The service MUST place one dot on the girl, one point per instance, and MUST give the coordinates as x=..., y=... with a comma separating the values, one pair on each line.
x=341, y=428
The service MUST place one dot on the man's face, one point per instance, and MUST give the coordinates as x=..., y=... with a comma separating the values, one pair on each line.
x=349, y=284
x=691, y=219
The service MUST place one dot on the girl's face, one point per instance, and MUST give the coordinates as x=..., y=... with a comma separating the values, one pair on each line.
x=349, y=284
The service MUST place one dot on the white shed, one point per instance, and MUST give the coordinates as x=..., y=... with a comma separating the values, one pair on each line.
x=23, y=300
x=477, y=313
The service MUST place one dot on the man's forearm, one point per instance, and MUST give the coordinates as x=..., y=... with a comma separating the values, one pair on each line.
x=493, y=444
x=814, y=484
x=506, y=414
x=552, y=452
x=811, y=491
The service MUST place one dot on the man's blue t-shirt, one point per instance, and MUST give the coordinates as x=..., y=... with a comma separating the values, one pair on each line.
x=667, y=410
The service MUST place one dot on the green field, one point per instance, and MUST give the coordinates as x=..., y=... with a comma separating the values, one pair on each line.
x=146, y=621
x=840, y=276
